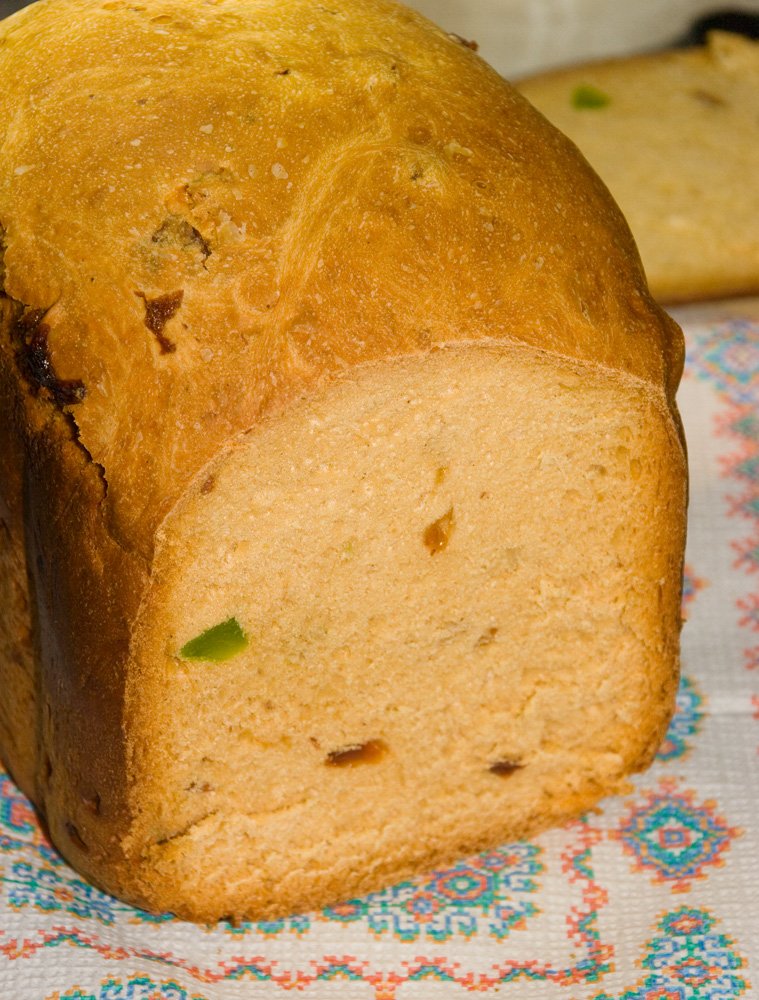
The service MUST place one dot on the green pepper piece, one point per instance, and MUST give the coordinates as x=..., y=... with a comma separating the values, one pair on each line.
x=588, y=96
x=221, y=642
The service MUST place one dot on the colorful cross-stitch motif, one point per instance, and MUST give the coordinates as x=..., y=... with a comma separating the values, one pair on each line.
x=486, y=890
x=51, y=890
x=687, y=961
x=691, y=586
x=741, y=424
x=749, y=605
x=133, y=988
x=296, y=925
x=728, y=357
x=743, y=466
x=674, y=837
x=689, y=709
x=18, y=824
x=685, y=722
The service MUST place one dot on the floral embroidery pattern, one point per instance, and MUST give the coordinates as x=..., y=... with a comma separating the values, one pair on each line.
x=691, y=586
x=687, y=961
x=135, y=988
x=674, y=837
x=727, y=356
x=488, y=888
x=19, y=828
x=685, y=723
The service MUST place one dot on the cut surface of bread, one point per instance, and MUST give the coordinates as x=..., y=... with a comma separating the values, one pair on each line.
x=342, y=487
x=675, y=137
x=448, y=575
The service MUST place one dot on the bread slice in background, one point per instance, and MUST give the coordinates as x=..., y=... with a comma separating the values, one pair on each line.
x=675, y=136
x=343, y=487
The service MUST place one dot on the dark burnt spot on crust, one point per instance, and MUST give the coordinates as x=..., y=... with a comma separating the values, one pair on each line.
x=158, y=312
x=505, y=768
x=178, y=232
x=75, y=837
x=30, y=335
x=209, y=484
x=283, y=72
x=474, y=46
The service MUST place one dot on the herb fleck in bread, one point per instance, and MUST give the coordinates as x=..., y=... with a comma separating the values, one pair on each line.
x=676, y=137
x=342, y=484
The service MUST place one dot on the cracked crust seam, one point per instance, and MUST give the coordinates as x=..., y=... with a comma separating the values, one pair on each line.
x=45, y=389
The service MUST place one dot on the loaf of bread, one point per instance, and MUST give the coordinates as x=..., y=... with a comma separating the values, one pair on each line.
x=343, y=487
x=674, y=135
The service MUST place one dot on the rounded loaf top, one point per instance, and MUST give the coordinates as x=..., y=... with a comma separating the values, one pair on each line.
x=206, y=205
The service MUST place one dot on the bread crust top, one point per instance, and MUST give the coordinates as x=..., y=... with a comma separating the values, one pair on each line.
x=206, y=206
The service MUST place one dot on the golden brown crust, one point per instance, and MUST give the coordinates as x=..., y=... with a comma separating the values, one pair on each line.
x=270, y=202
x=205, y=215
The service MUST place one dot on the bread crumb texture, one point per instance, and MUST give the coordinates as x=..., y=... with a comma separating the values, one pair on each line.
x=341, y=484
x=675, y=135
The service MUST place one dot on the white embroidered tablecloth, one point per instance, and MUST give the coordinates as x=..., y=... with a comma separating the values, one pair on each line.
x=655, y=897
